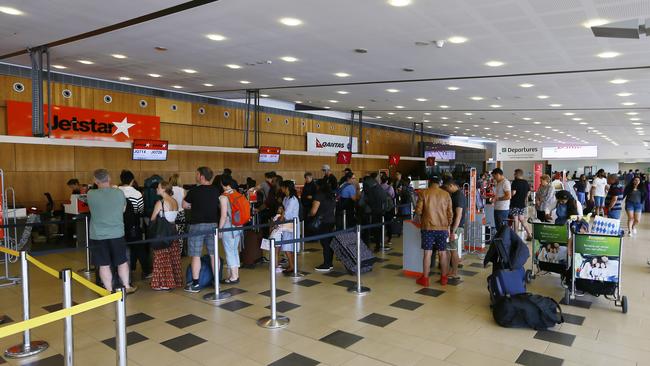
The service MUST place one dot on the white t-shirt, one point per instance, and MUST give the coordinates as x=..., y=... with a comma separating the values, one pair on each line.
x=501, y=189
x=179, y=194
x=600, y=184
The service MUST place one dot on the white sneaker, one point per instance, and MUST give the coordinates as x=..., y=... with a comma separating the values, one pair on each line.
x=634, y=231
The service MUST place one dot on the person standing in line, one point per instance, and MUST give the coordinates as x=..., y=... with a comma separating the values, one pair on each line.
x=599, y=191
x=459, y=205
x=107, y=244
x=323, y=211
x=140, y=252
x=291, y=210
x=635, y=196
x=545, y=198
x=346, y=201
x=345, y=173
x=167, y=273
x=628, y=177
x=388, y=216
x=309, y=191
x=203, y=201
x=230, y=239
x=614, y=199
x=501, y=200
x=519, y=202
x=434, y=210
x=581, y=188
x=372, y=207
x=329, y=177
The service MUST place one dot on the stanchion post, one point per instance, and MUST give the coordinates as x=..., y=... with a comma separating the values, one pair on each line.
x=273, y=321
x=358, y=289
x=86, y=271
x=28, y=347
x=345, y=219
x=296, y=273
x=68, y=334
x=383, y=234
x=216, y=296
x=120, y=329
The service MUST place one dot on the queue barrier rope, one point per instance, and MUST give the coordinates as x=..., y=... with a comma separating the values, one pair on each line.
x=15, y=328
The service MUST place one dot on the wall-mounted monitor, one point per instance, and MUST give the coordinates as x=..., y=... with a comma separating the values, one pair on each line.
x=569, y=151
x=269, y=154
x=149, y=150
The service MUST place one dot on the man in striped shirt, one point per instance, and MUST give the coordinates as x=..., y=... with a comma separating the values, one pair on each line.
x=138, y=252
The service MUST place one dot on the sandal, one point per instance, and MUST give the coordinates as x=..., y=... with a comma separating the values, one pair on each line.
x=288, y=271
x=228, y=281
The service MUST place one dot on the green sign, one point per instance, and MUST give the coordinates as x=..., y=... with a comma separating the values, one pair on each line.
x=596, y=245
x=551, y=233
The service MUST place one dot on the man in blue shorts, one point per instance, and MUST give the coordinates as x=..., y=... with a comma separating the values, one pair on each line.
x=434, y=210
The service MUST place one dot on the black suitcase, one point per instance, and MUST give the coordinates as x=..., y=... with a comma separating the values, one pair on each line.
x=396, y=228
x=345, y=248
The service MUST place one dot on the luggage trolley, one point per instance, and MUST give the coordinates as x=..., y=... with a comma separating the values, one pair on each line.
x=597, y=267
x=550, y=249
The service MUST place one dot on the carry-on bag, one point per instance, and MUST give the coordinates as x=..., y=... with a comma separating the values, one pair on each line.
x=206, y=277
x=527, y=311
x=345, y=247
x=251, y=252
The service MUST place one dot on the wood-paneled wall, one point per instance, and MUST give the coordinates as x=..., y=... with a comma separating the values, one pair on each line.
x=35, y=169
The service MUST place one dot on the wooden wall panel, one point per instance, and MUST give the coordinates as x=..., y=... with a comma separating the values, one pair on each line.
x=81, y=97
x=228, y=117
x=171, y=165
x=87, y=159
x=31, y=186
x=7, y=92
x=210, y=118
x=295, y=142
x=3, y=120
x=206, y=136
x=44, y=158
x=300, y=125
x=176, y=134
x=272, y=139
x=233, y=138
x=182, y=114
x=123, y=102
x=7, y=157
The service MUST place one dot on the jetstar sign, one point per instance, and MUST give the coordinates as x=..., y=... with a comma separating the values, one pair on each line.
x=84, y=124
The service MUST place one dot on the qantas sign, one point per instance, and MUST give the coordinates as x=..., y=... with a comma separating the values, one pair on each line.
x=318, y=142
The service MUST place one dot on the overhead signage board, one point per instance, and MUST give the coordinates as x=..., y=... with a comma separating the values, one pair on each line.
x=441, y=154
x=569, y=152
x=84, y=124
x=150, y=150
x=509, y=151
x=323, y=143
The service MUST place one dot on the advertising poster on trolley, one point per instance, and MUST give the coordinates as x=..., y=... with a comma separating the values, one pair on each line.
x=597, y=257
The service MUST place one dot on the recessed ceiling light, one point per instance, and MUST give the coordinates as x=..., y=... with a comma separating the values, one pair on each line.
x=291, y=22
x=457, y=39
x=119, y=56
x=569, y=114
x=555, y=130
x=10, y=11
x=342, y=92
x=261, y=95
x=584, y=123
x=60, y=67
x=486, y=128
x=333, y=101
x=409, y=117
x=635, y=119
x=452, y=88
x=476, y=98
x=628, y=103
x=124, y=78
x=555, y=105
x=154, y=75
x=632, y=113
x=526, y=85
x=474, y=125
x=444, y=117
x=399, y=3
x=496, y=122
x=288, y=59
x=537, y=123
x=459, y=121
x=288, y=78
x=233, y=66
x=208, y=84
x=467, y=113
x=444, y=106
x=495, y=105
x=85, y=62
x=244, y=82
x=624, y=94
x=427, y=113
x=548, y=127
x=595, y=22
x=590, y=128
x=527, y=131
x=510, y=126
x=377, y=117
x=298, y=101
x=421, y=99
x=342, y=74
x=526, y=118
x=189, y=71
x=618, y=81
x=399, y=106
x=327, y=107
x=577, y=119
x=177, y=87
x=391, y=113
x=494, y=63
x=608, y=54
x=636, y=123
x=542, y=97
x=392, y=90
x=215, y=37
x=638, y=128
x=444, y=125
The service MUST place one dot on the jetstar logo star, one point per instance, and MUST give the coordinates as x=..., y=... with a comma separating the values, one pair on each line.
x=123, y=127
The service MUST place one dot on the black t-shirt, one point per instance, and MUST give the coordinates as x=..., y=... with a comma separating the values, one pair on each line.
x=458, y=200
x=205, y=204
x=522, y=188
x=308, y=190
x=326, y=209
x=331, y=179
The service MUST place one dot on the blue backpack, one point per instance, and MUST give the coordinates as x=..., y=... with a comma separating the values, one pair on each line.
x=206, y=277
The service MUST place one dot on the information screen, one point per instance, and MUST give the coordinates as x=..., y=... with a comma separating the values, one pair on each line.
x=149, y=150
x=269, y=154
x=569, y=151
x=441, y=154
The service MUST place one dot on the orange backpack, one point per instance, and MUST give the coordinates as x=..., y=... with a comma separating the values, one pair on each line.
x=240, y=207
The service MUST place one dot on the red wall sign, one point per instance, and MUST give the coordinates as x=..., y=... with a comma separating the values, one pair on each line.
x=344, y=157
x=393, y=160
x=84, y=124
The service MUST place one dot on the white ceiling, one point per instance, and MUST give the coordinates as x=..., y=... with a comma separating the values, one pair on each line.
x=529, y=36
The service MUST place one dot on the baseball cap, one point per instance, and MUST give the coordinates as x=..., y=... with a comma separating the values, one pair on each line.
x=434, y=179
x=326, y=167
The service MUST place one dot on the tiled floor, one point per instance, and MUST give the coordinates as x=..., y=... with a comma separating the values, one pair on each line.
x=397, y=323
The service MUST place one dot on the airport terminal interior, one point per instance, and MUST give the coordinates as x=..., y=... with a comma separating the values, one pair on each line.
x=386, y=182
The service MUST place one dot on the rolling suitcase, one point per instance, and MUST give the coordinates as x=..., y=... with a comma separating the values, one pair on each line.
x=345, y=248
x=396, y=228
x=251, y=252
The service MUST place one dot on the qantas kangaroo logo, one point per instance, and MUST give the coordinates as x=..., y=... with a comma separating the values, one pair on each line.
x=326, y=144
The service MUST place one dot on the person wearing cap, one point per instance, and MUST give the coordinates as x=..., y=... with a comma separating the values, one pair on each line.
x=501, y=200
x=435, y=213
x=329, y=177
x=345, y=172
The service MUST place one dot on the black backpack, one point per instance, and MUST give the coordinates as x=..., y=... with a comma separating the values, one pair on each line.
x=132, y=227
x=527, y=311
x=377, y=200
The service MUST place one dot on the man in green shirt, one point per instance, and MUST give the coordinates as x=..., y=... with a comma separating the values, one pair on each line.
x=107, y=243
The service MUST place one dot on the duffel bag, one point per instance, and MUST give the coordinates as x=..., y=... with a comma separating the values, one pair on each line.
x=527, y=311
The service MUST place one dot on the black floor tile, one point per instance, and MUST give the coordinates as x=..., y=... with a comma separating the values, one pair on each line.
x=284, y=306
x=5, y=319
x=476, y=265
x=577, y=303
x=346, y=283
x=56, y=360
x=406, y=304
x=294, y=359
x=430, y=292
x=137, y=319
x=395, y=254
x=381, y=260
x=555, y=337
x=341, y=339
x=278, y=293
x=2, y=361
x=183, y=342
x=56, y=307
x=234, y=291
x=131, y=339
x=235, y=305
x=311, y=250
x=186, y=321
x=454, y=281
x=301, y=272
x=307, y=283
x=530, y=358
x=378, y=320
x=334, y=274
x=392, y=266
x=463, y=272
x=574, y=319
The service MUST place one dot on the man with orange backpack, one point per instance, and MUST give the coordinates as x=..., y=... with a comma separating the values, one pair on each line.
x=235, y=212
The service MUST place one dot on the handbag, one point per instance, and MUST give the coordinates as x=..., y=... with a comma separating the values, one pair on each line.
x=315, y=224
x=161, y=228
x=266, y=244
